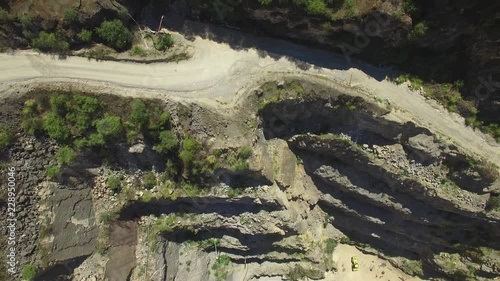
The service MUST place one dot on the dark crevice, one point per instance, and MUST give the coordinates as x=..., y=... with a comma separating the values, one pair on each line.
x=196, y=205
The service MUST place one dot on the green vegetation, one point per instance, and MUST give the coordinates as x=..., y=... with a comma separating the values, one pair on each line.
x=493, y=203
x=221, y=267
x=330, y=246
x=50, y=42
x=149, y=180
x=139, y=114
x=25, y=20
x=412, y=267
x=115, y=34
x=109, y=127
x=55, y=126
x=81, y=112
x=409, y=7
x=168, y=142
x=300, y=273
x=138, y=51
x=108, y=216
x=85, y=36
x=6, y=137
x=70, y=16
x=163, y=42
x=66, y=155
x=53, y=172
x=5, y=16
x=29, y=272
x=190, y=149
x=114, y=183
x=31, y=123
x=245, y=152
x=419, y=30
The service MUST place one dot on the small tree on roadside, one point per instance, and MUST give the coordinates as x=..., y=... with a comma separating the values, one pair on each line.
x=115, y=34
x=110, y=127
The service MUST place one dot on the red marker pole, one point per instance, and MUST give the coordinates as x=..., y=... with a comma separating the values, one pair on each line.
x=161, y=22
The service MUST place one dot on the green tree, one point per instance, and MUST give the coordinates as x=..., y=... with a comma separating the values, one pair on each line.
x=58, y=104
x=85, y=36
x=163, y=42
x=82, y=110
x=168, y=142
x=139, y=114
x=5, y=137
x=49, y=42
x=66, y=155
x=31, y=123
x=70, y=16
x=115, y=34
x=109, y=127
x=55, y=126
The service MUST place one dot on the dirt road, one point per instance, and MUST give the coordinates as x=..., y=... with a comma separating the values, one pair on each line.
x=219, y=71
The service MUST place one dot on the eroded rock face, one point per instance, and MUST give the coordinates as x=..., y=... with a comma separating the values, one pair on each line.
x=123, y=242
x=75, y=229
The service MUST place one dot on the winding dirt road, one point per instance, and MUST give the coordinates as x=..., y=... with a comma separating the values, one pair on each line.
x=218, y=71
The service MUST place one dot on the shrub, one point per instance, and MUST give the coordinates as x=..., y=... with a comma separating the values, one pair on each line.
x=139, y=114
x=157, y=123
x=95, y=139
x=109, y=127
x=330, y=246
x=493, y=203
x=49, y=42
x=82, y=111
x=220, y=267
x=115, y=34
x=240, y=166
x=70, y=15
x=163, y=42
x=31, y=124
x=85, y=36
x=487, y=170
x=168, y=142
x=418, y=30
x=149, y=180
x=55, y=126
x=108, y=216
x=29, y=272
x=5, y=137
x=5, y=16
x=171, y=169
x=66, y=155
x=52, y=172
x=244, y=152
x=58, y=104
x=114, y=183
x=132, y=137
x=25, y=20
x=190, y=149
